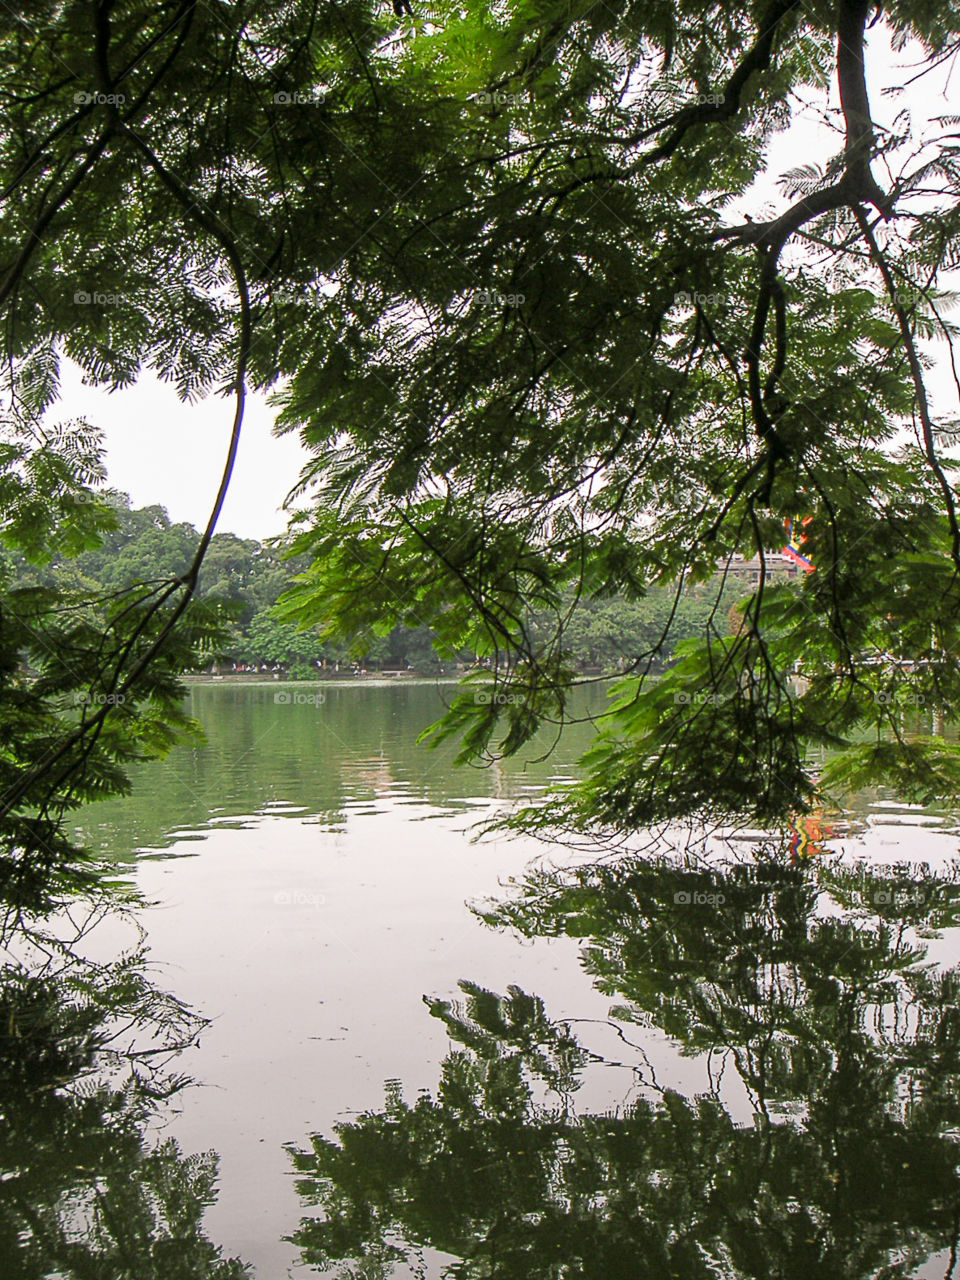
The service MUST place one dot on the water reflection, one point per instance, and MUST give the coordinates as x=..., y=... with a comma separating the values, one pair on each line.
x=824, y=1142
x=313, y=751
x=323, y=752
x=87, y=1061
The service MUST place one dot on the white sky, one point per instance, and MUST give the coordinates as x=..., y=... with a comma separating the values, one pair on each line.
x=160, y=450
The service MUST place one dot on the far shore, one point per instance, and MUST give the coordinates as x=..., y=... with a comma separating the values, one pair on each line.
x=269, y=678
x=260, y=679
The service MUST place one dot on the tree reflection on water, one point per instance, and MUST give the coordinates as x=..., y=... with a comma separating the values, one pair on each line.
x=86, y=1066
x=807, y=990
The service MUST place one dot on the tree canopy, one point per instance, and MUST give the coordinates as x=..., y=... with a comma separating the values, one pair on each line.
x=504, y=269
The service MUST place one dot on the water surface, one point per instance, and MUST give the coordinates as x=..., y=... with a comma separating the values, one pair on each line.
x=656, y=1066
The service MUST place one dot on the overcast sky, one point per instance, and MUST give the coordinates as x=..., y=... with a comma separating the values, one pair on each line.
x=160, y=450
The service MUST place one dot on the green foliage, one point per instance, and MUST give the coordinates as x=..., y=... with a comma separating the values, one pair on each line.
x=89, y=679
x=602, y=382
x=500, y=267
x=246, y=578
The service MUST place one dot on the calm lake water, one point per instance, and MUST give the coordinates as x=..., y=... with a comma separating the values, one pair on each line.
x=659, y=1065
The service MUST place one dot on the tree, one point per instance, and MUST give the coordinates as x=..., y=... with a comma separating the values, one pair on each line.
x=492, y=261
x=599, y=377
x=270, y=641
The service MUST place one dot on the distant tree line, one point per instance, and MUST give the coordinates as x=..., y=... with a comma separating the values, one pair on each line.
x=246, y=577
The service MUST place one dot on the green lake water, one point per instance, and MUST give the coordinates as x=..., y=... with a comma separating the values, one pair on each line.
x=658, y=1065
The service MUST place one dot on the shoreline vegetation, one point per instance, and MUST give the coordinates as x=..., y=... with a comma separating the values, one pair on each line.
x=266, y=680
x=243, y=578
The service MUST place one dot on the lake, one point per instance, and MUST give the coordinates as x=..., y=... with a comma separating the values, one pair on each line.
x=429, y=1055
